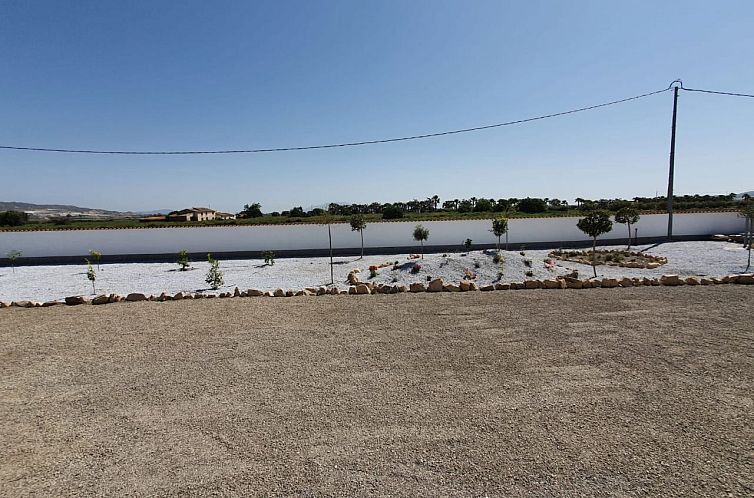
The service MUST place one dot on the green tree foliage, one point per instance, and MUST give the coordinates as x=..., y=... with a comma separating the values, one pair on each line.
x=183, y=260
x=269, y=257
x=358, y=224
x=297, y=212
x=391, y=212
x=532, y=205
x=91, y=275
x=420, y=235
x=484, y=206
x=12, y=257
x=214, y=275
x=96, y=256
x=467, y=244
x=627, y=215
x=13, y=218
x=500, y=228
x=253, y=210
x=594, y=224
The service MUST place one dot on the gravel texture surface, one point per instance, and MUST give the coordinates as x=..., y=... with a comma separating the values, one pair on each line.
x=600, y=392
x=43, y=283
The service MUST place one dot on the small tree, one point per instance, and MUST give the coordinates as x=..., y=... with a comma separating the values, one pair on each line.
x=467, y=244
x=627, y=216
x=500, y=228
x=748, y=212
x=183, y=260
x=96, y=256
x=12, y=257
x=358, y=223
x=420, y=235
x=594, y=224
x=91, y=275
x=214, y=275
x=327, y=220
x=269, y=257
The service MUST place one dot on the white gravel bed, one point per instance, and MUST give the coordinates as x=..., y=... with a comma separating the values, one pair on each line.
x=43, y=283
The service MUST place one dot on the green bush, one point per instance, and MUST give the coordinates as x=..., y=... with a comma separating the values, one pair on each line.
x=391, y=212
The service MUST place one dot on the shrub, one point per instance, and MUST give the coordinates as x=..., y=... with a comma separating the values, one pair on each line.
x=12, y=257
x=416, y=268
x=467, y=244
x=391, y=212
x=500, y=228
x=372, y=271
x=483, y=206
x=498, y=258
x=183, y=260
x=420, y=235
x=529, y=273
x=595, y=224
x=532, y=205
x=96, y=256
x=269, y=257
x=627, y=216
x=358, y=224
x=477, y=264
x=91, y=275
x=214, y=275
x=13, y=218
x=527, y=262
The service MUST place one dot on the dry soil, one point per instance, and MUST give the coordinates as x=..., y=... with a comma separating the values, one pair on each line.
x=594, y=392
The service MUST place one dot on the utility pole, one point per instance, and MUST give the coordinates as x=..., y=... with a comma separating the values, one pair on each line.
x=672, y=165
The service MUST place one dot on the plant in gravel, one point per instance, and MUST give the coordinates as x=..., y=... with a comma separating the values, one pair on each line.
x=183, y=260
x=416, y=268
x=500, y=228
x=529, y=273
x=498, y=258
x=469, y=274
x=420, y=235
x=748, y=212
x=214, y=275
x=358, y=224
x=429, y=278
x=594, y=224
x=394, y=279
x=477, y=264
x=269, y=257
x=627, y=216
x=12, y=257
x=467, y=244
x=499, y=275
x=527, y=262
x=96, y=256
x=91, y=275
x=372, y=271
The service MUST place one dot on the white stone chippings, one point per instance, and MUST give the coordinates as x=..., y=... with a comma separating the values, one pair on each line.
x=46, y=283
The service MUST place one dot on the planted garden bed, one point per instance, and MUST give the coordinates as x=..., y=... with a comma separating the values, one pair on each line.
x=622, y=258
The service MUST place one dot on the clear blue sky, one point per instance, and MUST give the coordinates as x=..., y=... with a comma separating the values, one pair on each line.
x=213, y=75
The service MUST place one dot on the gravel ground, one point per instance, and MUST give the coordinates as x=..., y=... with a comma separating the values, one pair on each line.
x=600, y=392
x=43, y=283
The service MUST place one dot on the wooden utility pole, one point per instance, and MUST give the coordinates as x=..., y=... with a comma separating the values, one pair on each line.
x=672, y=165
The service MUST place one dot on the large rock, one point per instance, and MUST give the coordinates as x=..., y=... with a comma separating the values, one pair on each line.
x=451, y=288
x=626, y=282
x=671, y=280
x=435, y=285
x=236, y=292
x=47, y=304
x=500, y=286
x=532, y=284
x=552, y=283
x=746, y=279
x=706, y=281
x=417, y=287
x=4, y=304
x=691, y=281
x=517, y=285
x=574, y=283
x=135, y=296
x=75, y=300
x=101, y=299
x=179, y=296
x=362, y=289
x=23, y=304
x=609, y=282
x=487, y=288
x=279, y=293
x=254, y=293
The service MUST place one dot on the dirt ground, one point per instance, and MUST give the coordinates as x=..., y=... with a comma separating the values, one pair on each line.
x=595, y=392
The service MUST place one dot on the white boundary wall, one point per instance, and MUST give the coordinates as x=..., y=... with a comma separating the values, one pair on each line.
x=305, y=236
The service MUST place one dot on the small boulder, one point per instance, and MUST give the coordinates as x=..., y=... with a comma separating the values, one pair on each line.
x=435, y=285
x=609, y=282
x=417, y=287
x=705, y=281
x=133, y=297
x=574, y=284
x=517, y=285
x=254, y=293
x=451, y=288
x=363, y=289
x=334, y=291
x=500, y=286
x=487, y=288
x=236, y=292
x=532, y=284
x=4, y=304
x=691, y=281
x=401, y=288
x=352, y=289
x=75, y=300
x=47, y=304
x=23, y=304
x=279, y=293
x=552, y=283
x=101, y=299
x=289, y=293
x=746, y=279
x=671, y=280
x=178, y=296
x=626, y=282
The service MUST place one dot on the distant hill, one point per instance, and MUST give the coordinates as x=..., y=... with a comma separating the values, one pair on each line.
x=55, y=210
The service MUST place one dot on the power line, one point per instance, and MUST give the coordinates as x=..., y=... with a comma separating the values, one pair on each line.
x=716, y=92
x=347, y=144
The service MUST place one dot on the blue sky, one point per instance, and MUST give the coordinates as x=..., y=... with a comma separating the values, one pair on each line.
x=143, y=75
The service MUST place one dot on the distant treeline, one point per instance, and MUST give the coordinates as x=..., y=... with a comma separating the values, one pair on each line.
x=528, y=205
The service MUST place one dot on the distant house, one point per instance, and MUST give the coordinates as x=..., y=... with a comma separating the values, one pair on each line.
x=224, y=216
x=193, y=214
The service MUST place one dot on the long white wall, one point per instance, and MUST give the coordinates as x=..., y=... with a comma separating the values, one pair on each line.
x=303, y=237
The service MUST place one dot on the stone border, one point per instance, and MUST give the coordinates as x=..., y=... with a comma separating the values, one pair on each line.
x=436, y=285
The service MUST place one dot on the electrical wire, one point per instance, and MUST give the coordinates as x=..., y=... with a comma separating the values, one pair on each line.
x=716, y=92
x=347, y=144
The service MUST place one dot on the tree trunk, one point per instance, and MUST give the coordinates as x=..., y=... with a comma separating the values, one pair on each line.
x=629, y=236
x=749, y=233
x=329, y=236
x=362, y=244
x=497, y=249
x=422, y=243
x=594, y=257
